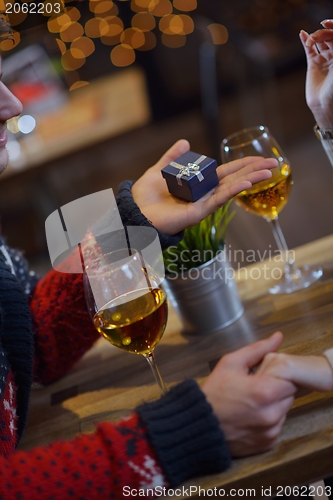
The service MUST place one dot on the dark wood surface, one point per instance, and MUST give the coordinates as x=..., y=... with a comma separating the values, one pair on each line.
x=107, y=383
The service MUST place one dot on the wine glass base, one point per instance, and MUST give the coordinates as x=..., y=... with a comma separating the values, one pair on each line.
x=303, y=279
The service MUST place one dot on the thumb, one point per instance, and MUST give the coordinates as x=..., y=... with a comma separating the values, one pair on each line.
x=249, y=356
x=177, y=149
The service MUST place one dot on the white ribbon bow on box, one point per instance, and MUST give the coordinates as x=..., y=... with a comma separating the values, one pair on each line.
x=189, y=169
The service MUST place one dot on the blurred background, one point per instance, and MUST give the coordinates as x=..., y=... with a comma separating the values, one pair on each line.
x=108, y=86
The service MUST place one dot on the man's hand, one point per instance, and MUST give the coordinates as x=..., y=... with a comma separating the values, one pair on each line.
x=171, y=215
x=318, y=48
x=251, y=407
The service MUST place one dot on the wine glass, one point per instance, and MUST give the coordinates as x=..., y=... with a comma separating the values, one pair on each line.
x=267, y=198
x=127, y=304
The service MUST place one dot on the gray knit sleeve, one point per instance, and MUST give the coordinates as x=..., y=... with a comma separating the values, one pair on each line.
x=185, y=434
x=131, y=214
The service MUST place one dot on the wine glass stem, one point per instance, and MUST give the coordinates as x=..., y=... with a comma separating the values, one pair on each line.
x=290, y=266
x=156, y=372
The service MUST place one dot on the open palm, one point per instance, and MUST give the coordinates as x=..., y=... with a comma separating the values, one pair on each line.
x=171, y=215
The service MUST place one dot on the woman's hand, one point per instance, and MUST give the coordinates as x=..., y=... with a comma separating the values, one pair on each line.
x=318, y=48
x=311, y=372
x=171, y=215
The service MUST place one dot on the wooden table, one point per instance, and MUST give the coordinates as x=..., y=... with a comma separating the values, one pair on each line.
x=107, y=383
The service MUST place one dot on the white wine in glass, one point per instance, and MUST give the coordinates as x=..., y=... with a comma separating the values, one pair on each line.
x=267, y=198
x=127, y=304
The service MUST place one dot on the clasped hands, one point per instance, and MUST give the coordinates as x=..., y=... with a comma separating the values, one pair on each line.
x=252, y=389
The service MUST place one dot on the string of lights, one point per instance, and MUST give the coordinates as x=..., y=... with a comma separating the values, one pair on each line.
x=76, y=36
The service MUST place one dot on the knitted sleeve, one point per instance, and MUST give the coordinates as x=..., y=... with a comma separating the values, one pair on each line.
x=101, y=465
x=131, y=214
x=64, y=330
x=168, y=442
x=185, y=434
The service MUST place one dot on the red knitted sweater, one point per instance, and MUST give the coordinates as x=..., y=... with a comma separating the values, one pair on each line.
x=90, y=466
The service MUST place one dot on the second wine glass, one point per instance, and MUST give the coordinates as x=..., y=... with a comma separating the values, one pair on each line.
x=127, y=304
x=267, y=198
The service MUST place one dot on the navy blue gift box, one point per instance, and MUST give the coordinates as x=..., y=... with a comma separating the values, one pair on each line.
x=191, y=176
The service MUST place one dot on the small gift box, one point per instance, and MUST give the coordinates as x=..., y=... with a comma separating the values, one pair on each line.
x=191, y=176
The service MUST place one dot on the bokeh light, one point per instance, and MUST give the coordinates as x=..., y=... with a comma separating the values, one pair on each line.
x=122, y=55
x=140, y=5
x=82, y=47
x=174, y=24
x=70, y=31
x=102, y=6
x=75, y=35
x=132, y=37
x=61, y=45
x=10, y=44
x=55, y=23
x=70, y=63
x=171, y=24
x=219, y=33
x=150, y=41
x=144, y=21
x=160, y=7
x=78, y=84
x=185, y=5
x=96, y=27
x=115, y=28
x=12, y=125
x=73, y=13
x=188, y=24
x=26, y=124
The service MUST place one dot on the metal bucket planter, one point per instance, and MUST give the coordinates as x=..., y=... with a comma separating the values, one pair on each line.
x=206, y=297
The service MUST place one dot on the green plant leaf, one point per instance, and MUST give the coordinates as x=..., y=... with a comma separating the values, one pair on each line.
x=200, y=243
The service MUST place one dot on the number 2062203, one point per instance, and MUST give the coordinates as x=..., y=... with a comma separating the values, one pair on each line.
x=303, y=491
x=34, y=8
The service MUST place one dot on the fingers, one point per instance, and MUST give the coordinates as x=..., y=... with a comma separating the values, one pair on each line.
x=245, y=165
x=251, y=355
x=320, y=36
x=237, y=176
x=229, y=189
x=317, y=42
x=252, y=177
x=259, y=433
x=328, y=23
x=309, y=48
x=276, y=415
x=268, y=360
x=271, y=389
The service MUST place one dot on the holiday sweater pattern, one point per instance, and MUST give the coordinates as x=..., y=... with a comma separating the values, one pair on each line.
x=153, y=447
x=57, y=303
